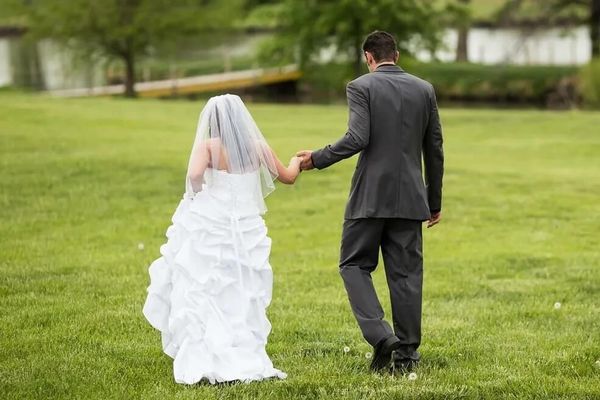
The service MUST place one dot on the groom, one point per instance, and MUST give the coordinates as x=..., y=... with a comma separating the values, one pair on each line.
x=394, y=125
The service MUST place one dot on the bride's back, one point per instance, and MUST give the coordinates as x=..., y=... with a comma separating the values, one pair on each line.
x=218, y=159
x=230, y=151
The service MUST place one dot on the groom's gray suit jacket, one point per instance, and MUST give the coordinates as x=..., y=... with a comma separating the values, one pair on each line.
x=394, y=123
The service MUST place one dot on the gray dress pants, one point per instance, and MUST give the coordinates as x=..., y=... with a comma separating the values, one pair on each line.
x=400, y=241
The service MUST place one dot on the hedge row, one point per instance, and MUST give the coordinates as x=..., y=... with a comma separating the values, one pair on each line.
x=552, y=86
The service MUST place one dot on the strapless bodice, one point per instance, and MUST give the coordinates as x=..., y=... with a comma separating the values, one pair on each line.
x=237, y=194
x=238, y=184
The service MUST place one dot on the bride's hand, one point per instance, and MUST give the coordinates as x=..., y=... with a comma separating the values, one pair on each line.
x=295, y=162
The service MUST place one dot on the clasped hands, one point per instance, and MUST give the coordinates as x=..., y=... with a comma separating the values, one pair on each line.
x=305, y=157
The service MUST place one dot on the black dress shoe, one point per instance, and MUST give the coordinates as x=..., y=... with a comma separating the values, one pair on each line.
x=404, y=362
x=404, y=366
x=382, y=353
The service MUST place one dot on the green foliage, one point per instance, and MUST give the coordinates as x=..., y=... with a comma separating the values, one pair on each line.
x=126, y=29
x=9, y=13
x=116, y=27
x=463, y=81
x=520, y=11
x=327, y=83
x=263, y=16
x=590, y=83
x=88, y=179
x=543, y=13
x=310, y=26
x=497, y=82
x=480, y=10
x=458, y=13
x=160, y=69
x=485, y=10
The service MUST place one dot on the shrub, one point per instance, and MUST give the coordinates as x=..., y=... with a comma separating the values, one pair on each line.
x=589, y=83
x=541, y=85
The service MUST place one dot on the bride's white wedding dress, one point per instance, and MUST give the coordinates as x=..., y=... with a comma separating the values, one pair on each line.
x=210, y=288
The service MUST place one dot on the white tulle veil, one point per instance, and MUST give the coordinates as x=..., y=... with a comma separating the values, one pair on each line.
x=228, y=140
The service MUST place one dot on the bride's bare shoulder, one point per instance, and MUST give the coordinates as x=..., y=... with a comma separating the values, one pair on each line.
x=210, y=145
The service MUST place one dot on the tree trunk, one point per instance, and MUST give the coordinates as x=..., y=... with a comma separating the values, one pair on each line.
x=358, y=53
x=462, y=54
x=358, y=60
x=462, y=51
x=28, y=72
x=129, y=60
x=595, y=27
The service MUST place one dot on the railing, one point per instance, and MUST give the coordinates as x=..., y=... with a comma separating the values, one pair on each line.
x=194, y=84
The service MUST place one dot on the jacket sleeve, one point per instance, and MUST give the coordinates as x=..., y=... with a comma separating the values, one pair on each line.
x=433, y=156
x=357, y=136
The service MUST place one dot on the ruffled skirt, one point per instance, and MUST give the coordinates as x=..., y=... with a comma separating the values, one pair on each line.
x=209, y=292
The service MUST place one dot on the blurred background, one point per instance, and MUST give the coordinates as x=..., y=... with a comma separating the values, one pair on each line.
x=90, y=179
x=508, y=52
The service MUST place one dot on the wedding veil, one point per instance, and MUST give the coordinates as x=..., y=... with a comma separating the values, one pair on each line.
x=228, y=140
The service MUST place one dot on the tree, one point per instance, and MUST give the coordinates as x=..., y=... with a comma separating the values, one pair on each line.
x=459, y=12
x=313, y=25
x=552, y=11
x=591, y=8
x=595, y=27
x=124, y=29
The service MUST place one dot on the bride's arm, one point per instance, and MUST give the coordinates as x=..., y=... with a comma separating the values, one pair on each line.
x=198, y=165
x=287, y=174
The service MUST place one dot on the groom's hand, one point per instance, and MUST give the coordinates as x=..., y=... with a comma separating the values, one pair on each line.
x=435, y=218
x=306, y=156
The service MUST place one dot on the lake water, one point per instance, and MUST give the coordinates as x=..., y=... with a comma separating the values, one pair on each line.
x=556, y=46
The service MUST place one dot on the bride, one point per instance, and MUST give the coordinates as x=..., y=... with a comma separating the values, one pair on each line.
x=209, y=290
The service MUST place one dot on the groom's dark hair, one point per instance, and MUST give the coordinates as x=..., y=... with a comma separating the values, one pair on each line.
x=381, y=45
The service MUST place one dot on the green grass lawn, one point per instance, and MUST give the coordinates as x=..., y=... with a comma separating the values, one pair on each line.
x=84, y=182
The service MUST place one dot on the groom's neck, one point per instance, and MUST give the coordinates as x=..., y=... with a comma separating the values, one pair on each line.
x=373, y=66
x=384, y=63
x=388, y=62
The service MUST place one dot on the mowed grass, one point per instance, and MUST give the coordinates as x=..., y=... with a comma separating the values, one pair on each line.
x=84, y=182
